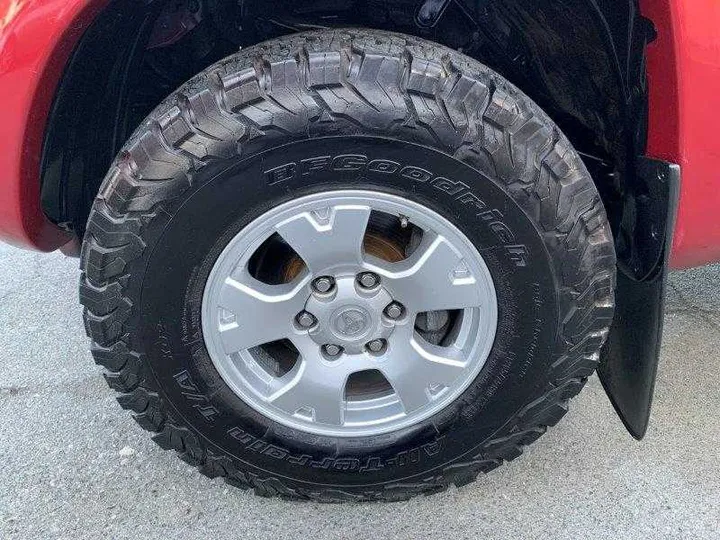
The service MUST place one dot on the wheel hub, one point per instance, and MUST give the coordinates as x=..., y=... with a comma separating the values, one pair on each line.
x=350, y=316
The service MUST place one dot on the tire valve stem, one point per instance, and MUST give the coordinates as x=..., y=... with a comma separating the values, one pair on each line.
x=404, y=222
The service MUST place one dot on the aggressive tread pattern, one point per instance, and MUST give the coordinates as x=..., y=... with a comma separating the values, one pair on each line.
x=349, y=80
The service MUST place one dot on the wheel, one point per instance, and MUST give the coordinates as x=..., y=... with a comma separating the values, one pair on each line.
x=347, y=265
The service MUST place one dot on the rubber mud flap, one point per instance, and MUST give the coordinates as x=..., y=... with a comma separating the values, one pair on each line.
x=630, y=358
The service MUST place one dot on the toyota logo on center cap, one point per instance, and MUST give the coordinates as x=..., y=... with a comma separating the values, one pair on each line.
x=351, y=322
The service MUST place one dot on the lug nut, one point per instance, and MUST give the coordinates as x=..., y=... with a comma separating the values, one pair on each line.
x=376, y=345
x=305, y=319
x=332, y=350
x=323, y=284
x=395, y=310
x=368, y=280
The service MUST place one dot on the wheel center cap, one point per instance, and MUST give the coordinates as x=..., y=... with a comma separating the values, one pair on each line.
x=350, y=317
x=351, y=322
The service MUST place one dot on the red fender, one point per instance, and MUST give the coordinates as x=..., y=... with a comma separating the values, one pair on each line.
x=37, y=38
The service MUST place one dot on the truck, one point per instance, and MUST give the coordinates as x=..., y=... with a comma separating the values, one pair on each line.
x=364, y=249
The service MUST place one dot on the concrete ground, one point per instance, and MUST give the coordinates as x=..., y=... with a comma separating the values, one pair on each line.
x=74, y=465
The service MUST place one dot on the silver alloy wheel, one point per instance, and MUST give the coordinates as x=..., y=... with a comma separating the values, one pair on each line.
x=240, y=313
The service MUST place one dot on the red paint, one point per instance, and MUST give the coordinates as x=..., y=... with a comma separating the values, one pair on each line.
x=684, y=78
x=37, y=38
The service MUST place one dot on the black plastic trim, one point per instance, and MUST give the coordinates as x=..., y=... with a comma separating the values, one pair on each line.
x=629, y=364
x=89, y=120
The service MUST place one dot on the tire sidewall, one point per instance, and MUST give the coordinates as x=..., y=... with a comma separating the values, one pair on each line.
x=228, y=196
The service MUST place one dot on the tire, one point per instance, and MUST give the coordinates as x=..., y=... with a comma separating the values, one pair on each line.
x=224, y=149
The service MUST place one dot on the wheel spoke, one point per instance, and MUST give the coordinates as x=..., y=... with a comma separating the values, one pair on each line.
x=418, y=370
x=313, y=387
x=262, y=313
x=329, y=238
x=435, y=277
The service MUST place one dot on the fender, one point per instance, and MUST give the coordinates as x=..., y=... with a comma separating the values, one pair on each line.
x=37, y=37
x=683, y=66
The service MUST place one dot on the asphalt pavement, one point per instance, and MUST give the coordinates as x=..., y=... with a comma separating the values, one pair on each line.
x=74, y=465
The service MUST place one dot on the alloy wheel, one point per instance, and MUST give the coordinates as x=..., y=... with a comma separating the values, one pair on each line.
x=349, y=313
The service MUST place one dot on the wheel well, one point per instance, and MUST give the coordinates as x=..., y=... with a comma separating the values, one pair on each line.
x=581, y=60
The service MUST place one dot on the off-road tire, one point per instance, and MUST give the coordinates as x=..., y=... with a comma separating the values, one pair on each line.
x=350, y=83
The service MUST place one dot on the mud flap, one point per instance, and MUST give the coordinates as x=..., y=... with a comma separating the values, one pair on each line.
x=629, y=360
